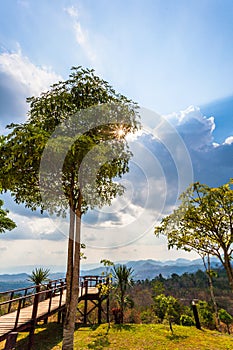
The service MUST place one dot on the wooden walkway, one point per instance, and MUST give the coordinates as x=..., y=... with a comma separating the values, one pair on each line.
x=23, y=308
x=45, y=308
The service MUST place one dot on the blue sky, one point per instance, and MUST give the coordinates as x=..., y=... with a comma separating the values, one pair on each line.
x=175, y=59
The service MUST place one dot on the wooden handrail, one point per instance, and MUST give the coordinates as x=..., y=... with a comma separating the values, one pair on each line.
x=30, y=287
x=31, y=295
x=52, y=286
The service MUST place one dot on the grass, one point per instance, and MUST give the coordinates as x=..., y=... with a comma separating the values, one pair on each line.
x=135, y=337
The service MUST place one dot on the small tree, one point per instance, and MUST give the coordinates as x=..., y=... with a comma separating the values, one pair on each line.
x=107, y=264
x=203, y=222
x=122, y=276
x=167, y=308
x=186, y=320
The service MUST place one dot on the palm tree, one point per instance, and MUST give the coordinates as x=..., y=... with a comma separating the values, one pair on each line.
x=123, y=280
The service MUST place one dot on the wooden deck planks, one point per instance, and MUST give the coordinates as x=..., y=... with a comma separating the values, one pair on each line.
x=7, y=322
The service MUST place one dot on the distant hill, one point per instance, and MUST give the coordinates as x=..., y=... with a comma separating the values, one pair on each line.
x=143, y=269
x=20, y=280
x=148, y=269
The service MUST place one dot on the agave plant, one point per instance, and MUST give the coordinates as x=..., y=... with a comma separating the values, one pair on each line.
x=39, y=275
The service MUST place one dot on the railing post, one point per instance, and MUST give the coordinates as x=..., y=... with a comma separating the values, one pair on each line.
x=85, y=301
x=33, y=321
x=82, y=286
x=48, y=296
x=25, y=293
x=107, y=284
x=59, y=315
x=9, y=306
x=99, y=309
x=49, y=286
x=35, y=304
x=61, y=293
x=18, y=312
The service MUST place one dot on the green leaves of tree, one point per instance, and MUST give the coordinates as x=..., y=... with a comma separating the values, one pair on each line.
x=5, y=222
x=203, y=222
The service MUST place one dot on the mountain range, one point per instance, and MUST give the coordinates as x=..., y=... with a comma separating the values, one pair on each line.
x=142, y=269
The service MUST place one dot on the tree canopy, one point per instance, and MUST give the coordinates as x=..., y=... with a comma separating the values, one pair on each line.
x=203, y=222
x=5, y=222
x=66, y=123
x=67, y=155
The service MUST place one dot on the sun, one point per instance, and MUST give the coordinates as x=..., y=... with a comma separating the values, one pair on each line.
x=120, y=132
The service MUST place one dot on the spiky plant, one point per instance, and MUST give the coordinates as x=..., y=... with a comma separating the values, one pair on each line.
x=39, y=275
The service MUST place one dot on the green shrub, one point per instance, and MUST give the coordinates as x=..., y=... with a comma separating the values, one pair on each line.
x=206, y=315
x=186, y=320
x=148, y=316
x=226, y=318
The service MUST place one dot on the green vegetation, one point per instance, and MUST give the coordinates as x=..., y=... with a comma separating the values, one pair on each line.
x=226, y=318
x=5, y=222
x=39, y=275
x=203, y=223
x=167, y=308
x=130, y=337
x=122, y=282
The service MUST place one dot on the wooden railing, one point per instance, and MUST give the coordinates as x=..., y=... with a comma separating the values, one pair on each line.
x=38, y=293
x=17, y=299
x=27, y=294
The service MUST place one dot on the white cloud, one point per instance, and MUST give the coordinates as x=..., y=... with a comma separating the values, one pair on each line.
x=72, y=11
x=215, y=144
x=82, y=35
x=19, y=79
x=32, y=252
x=21, y=70
x=36, y=228
x=228, y=141
x=195, y=128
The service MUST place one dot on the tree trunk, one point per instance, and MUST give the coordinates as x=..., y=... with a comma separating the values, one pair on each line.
x=227, y=265
x=70, y=258
x=73, y=285
x=122, y=308
x=210, y=280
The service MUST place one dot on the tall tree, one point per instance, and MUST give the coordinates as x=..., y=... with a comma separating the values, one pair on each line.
x=5, y=222
x=203, y=222
x=67, y=155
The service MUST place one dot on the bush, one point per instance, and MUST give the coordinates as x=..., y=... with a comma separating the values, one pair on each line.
x=206, y=314
x=167, y=308
x=148, y=316
x=186, y=320
x=226, y=318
